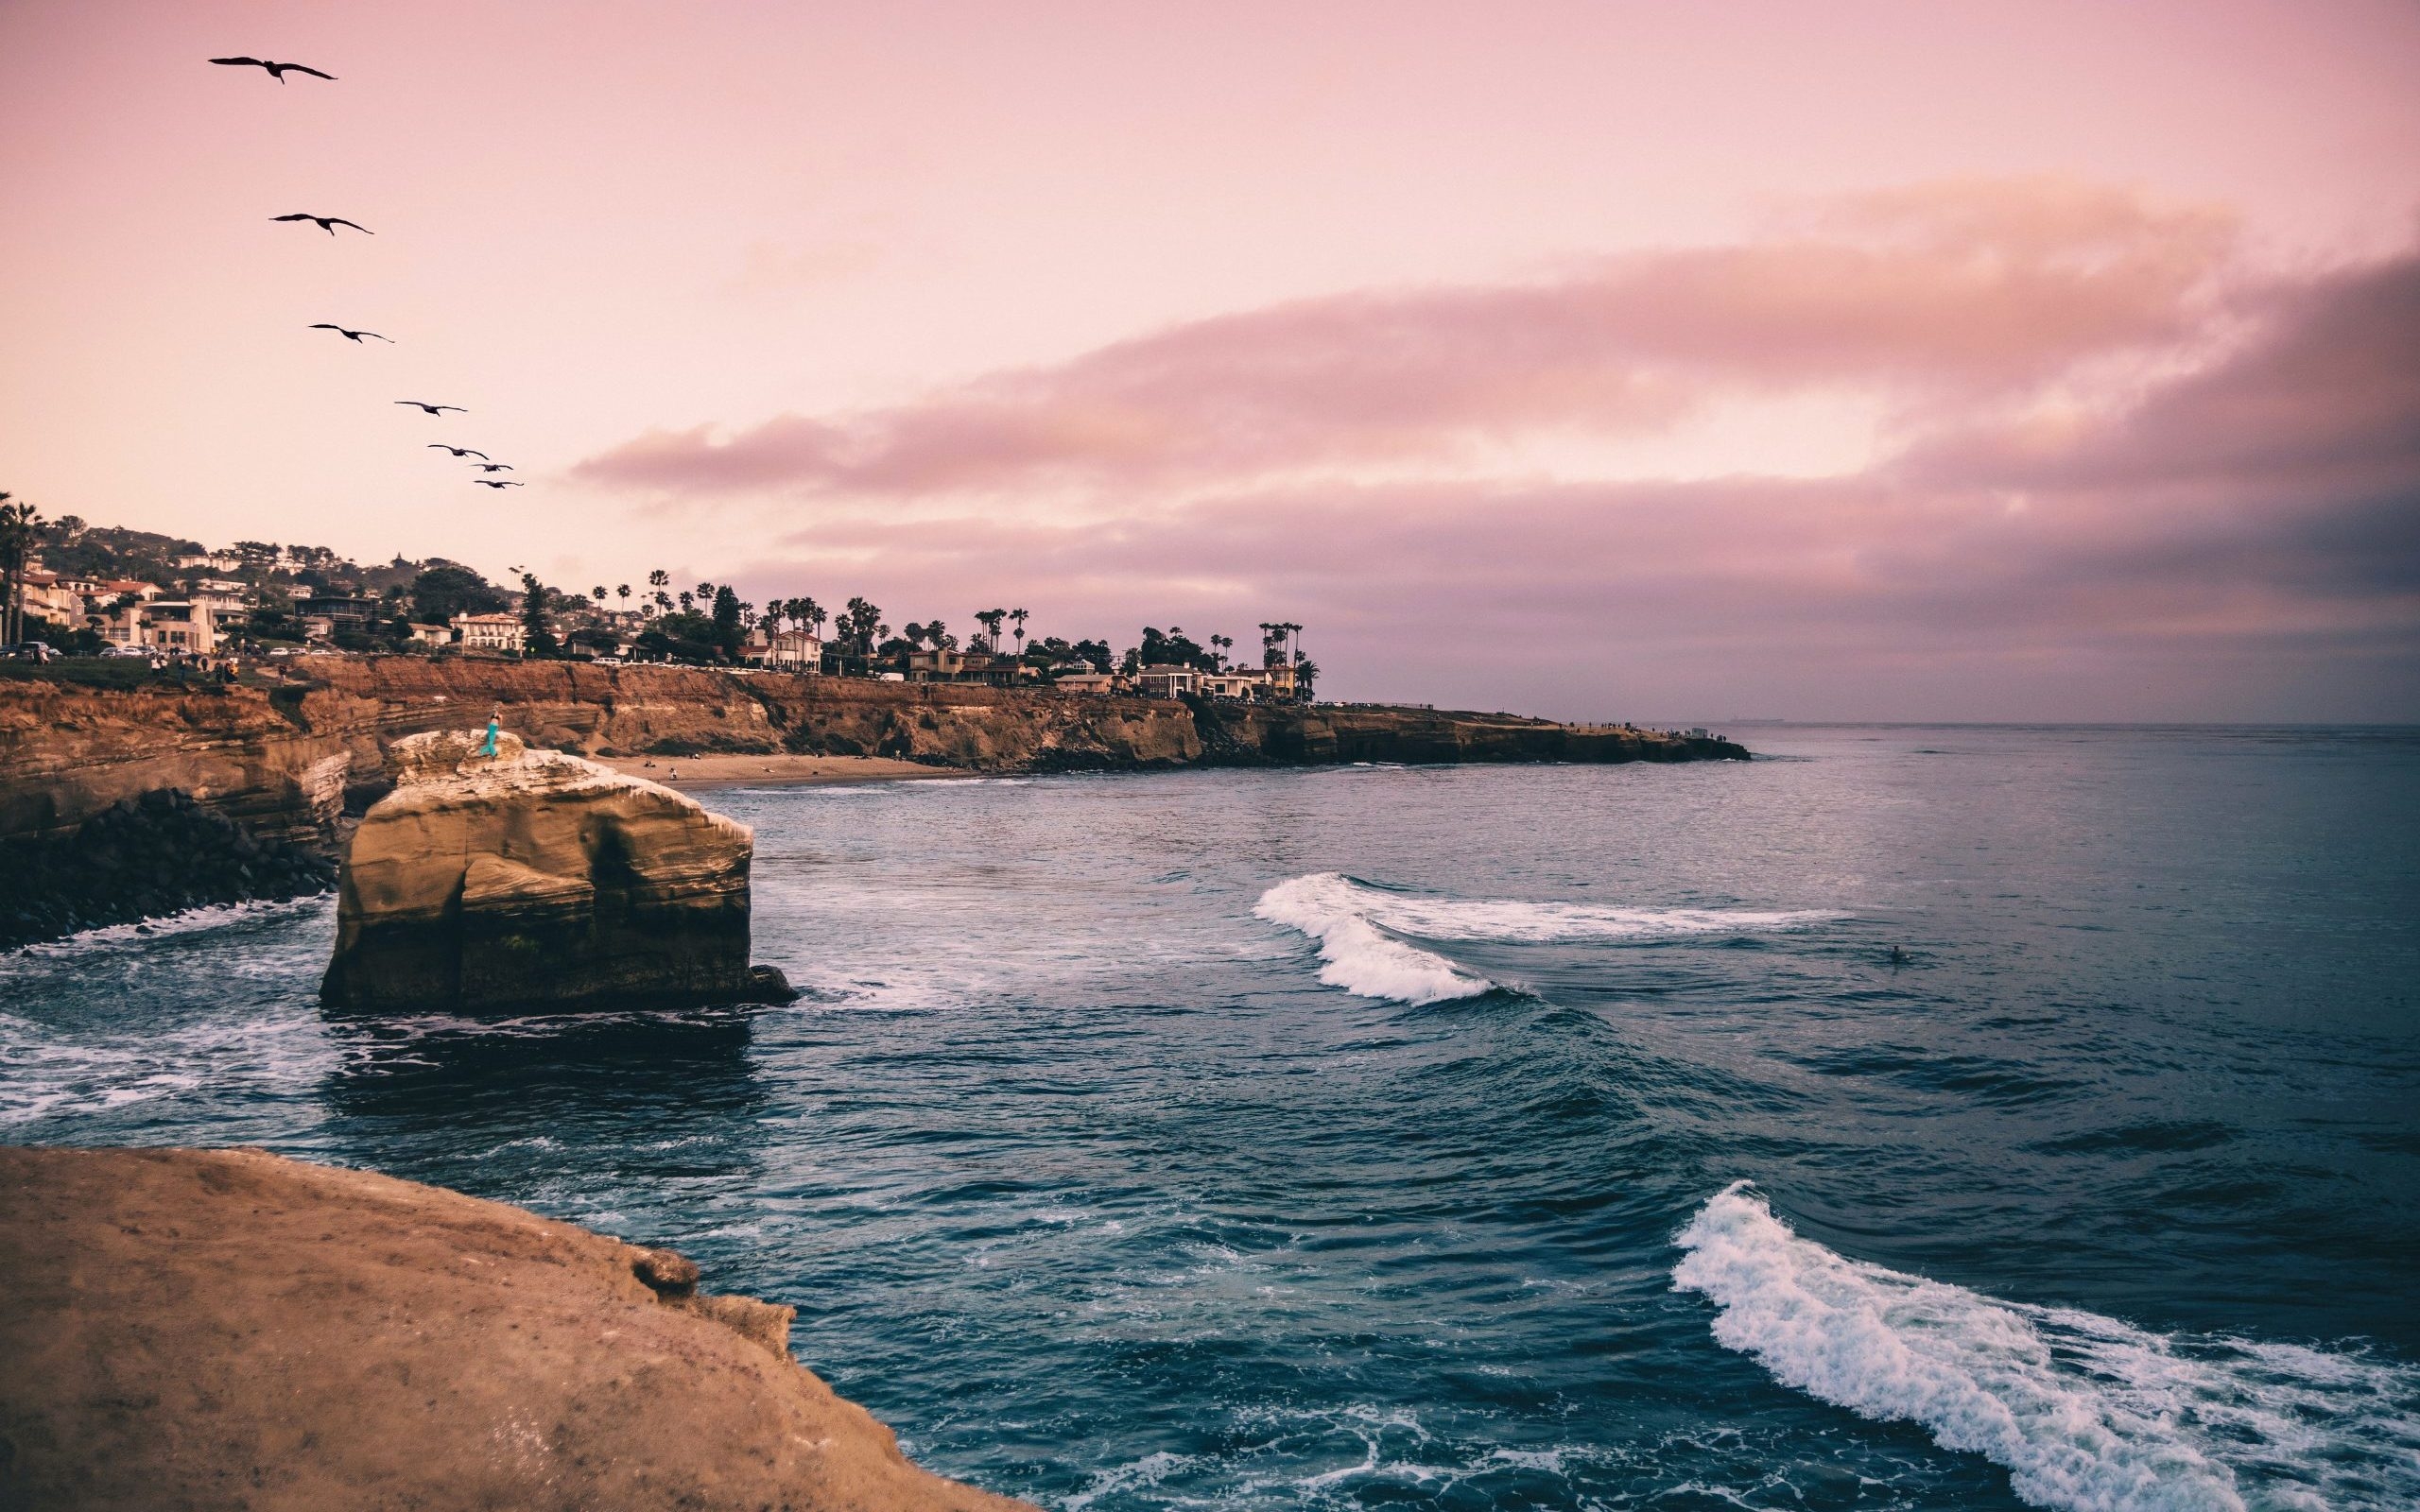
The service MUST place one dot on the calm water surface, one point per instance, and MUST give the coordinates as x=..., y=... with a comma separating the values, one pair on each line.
x=1555, y=1137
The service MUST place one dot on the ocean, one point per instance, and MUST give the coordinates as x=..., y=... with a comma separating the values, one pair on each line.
x=1472, y=1137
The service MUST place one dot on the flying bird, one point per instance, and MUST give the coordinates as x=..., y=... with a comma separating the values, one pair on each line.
x=327, y=223
x=441, y=446
x=351, y=336
x=496, y=483
x=423, y=404
x=493, y=467
x=276, y=70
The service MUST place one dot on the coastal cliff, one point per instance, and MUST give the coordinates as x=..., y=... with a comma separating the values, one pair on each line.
x=225, y=1328
x=531, y=879
x=284, y=759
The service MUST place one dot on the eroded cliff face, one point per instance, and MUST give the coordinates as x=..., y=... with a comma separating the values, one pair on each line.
x=285, y=760
x=534, y=880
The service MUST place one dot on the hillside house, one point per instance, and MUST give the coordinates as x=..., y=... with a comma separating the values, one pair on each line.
x=491, y=632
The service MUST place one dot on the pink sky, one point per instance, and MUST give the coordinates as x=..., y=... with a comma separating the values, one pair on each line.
x=1927, y=361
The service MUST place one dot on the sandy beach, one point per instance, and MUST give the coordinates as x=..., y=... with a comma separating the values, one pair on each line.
x=785, y=772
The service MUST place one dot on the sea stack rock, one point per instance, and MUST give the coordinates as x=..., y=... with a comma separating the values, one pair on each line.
x=534, y=881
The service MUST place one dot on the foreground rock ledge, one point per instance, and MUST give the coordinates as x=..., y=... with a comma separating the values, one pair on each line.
x=534, y=880
x=222, y=1329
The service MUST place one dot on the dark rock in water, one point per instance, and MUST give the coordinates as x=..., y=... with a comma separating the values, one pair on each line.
x=141, y=859
x=766, y=984
x=534, y=880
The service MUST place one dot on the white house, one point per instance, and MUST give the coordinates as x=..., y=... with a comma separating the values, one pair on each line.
x=180, y=627
x=1168, y=681
x=799, y=651
x=491, y=632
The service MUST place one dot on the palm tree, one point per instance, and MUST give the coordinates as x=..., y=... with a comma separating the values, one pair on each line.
x=989, y=619
x=624, y=591
x=598, y=593
x=1020, y=617
x=705, y=592
x=655, y=581
x=18, y=523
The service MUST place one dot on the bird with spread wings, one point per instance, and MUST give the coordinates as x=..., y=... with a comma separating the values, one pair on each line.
x=434, y=409
x=327, y=223
x=276, y=70
x=350, y=336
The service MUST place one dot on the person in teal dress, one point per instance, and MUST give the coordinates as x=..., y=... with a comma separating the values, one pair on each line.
x=487, y=746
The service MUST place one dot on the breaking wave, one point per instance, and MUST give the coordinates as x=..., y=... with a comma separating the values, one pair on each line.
x=2085, y=1412
x=1360, y=929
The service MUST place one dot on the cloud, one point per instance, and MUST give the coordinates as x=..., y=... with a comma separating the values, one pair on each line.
x=2127, y=478
x=1948, y=295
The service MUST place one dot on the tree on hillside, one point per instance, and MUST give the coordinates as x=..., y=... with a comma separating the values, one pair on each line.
x=727, y=625
x=538, y=634
x=623, y=592
x=989, y=619
x=1020, y=617
x=1172, y=649
x=19, y=521
x=859, y=623
x=445, y=588
x=656, y=581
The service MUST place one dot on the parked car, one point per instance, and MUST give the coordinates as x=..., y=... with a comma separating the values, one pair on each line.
x=29, y=651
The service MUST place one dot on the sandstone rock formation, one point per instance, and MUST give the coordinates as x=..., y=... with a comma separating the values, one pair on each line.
x=532, y=879
x=223, y=1329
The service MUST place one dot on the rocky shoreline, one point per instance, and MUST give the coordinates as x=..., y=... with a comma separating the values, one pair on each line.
x=227, y=1328
x=290, y=764
x=144, y=858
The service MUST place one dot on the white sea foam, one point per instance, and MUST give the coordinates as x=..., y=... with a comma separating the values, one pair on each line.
x=1359, y=929
x=2085, y=1411
x=1362, y=957
x=190, y=921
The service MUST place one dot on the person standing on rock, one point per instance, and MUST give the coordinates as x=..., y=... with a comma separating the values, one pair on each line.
x=487, y=746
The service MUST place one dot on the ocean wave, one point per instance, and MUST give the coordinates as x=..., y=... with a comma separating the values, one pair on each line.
x=1360, y=929
x=1360, y=956
x=2085, y=1412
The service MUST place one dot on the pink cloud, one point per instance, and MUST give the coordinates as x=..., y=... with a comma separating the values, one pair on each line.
x=1932, y=298
x=2253, y=524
